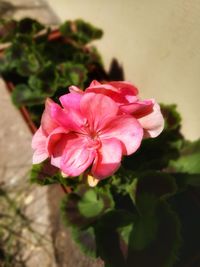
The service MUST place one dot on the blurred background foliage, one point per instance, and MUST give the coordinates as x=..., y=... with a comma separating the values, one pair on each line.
x=42, y=63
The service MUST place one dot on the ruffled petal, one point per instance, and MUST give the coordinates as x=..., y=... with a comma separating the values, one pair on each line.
x=125, y=88
x=153, y=123
x=55, y=145
x=121, y=92
x=71, y=100
x=75, y=89
x=94, y=83
x=70, y=119
x=47, y=122
x=139, y=108
x=76, y=157
x=39, y=146
x=96, y=108
x=108, y=158
x=58, y=151
x=98, y=87
x=107, y=90
x=126, y=129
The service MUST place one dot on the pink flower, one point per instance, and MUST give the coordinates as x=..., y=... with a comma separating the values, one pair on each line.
x=88, y=130
x=147, y=112
x=40, y=137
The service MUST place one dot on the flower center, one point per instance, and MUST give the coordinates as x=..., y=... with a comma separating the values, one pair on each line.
x=93, y=143
x=93, y=140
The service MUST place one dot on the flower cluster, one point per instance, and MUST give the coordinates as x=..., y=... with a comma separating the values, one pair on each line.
x=95, y=128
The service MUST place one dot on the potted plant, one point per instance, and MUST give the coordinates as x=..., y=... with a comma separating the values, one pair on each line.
x=139, y=210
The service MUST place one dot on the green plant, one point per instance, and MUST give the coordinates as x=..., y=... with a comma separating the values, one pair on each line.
x=146, y=214
x=42, y=66
x=139, y=216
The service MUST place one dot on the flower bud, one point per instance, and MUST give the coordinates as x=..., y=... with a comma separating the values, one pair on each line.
x=92, y=181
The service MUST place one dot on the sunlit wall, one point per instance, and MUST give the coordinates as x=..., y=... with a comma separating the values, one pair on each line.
x=156, y=41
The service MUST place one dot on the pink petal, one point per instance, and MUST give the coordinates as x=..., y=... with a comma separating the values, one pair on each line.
x=139, y=108
x=47, y=122
x=75, y=89
x=97, y=87
x=71, y=100
x=121, y=92
x=153, y=123
x=107, y=90
x=54, y=137
x=94, y=83
x=55, y=145
x=69, y=119
x=126, y=129
x=39, y=156
x=96, y=108
x=125, y=88
x=39, y=146
x=58, y=151
x=76, y=157
x=108, y=158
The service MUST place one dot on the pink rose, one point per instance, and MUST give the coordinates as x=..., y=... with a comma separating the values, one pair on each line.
x=88, y=130
x=147, y=112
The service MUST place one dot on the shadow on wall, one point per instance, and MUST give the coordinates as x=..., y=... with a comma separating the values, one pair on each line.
x=8, y=9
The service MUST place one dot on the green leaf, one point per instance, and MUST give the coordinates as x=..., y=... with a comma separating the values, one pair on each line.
x=40, y=86
x=46, y=174
x=24, y=55
x=120, y=238
x=86, y=240
x=146, y=192
x=110, y=243
x=155, y=238
x=193, y=179
x=35, y=83
x=185, y=179
x=80, y=31
x=84, y=206
x=146, y=225
x=116, y=218
x=45, y=81
x=28, y=64
x=152, y=238
x=149, y=238
x=125, y=232
x=189, y=161
x=72, y=73
x=90, y=205
x=24, y=95
x=29, y=26
x=186, y=169
x=5, y=66
x=158, y=184
x=8, y=30
x=186, y=205
x=172, y=117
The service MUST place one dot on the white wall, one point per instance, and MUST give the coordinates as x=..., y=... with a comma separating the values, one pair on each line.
x=156, y=41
